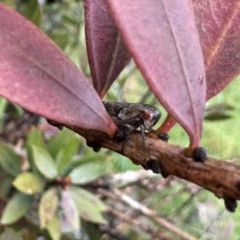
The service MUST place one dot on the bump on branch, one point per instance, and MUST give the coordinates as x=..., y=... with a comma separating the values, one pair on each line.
x=220, y=177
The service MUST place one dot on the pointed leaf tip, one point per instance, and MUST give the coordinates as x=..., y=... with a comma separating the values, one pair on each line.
x=37, y=75
x=54, y=228
x=16, y=207
x=107, y=53
x=164, y=43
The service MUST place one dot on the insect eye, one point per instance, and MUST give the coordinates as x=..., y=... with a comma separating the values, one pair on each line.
x=147, y=115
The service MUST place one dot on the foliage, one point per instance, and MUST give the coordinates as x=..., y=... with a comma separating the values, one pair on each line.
x=58, y=201
x=174, y=66
x=63, y=77
x=52, y=177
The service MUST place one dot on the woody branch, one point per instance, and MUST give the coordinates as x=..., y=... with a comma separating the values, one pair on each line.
x=220, y=177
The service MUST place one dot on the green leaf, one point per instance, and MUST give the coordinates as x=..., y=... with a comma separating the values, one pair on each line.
x=44, y=162
x=9, y=160
x=31, y=10
x=89, y=206
x=88, y=158
x=217, y=116
x=61, y=39
x=54, y=228
x=18, y=110
x=9, y=3
x=34, y=138
x=48, y=206
x=220, y=111
x=3, y=105
x=28, y=183
x=88, y=172
x=70, y=210
x=16, y=207
x=6, y=184
x=60, y=141
x=66, y=154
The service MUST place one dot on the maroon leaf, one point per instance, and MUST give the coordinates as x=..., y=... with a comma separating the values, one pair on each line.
x=163, y=41
x=107, y=53
x=38, y=76
x=219, y=31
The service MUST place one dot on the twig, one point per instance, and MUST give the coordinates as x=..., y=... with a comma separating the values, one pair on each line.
x=132, y=221
x=220, y=177
x=150, y=213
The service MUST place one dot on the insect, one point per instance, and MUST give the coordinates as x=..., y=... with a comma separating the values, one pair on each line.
x=132, y=116
x=128, y=117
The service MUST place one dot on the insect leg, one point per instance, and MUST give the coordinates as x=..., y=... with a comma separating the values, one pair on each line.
x=142, y=128
x=125, y=142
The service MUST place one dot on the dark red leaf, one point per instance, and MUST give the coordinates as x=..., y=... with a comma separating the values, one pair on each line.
x=163, y=41
x=107, y=53
x=38, y=76
x=219, y=31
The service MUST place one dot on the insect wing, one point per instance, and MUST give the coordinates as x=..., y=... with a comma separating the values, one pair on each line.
x=131, y=112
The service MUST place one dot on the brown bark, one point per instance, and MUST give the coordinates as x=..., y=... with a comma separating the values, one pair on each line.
x=220, y=177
